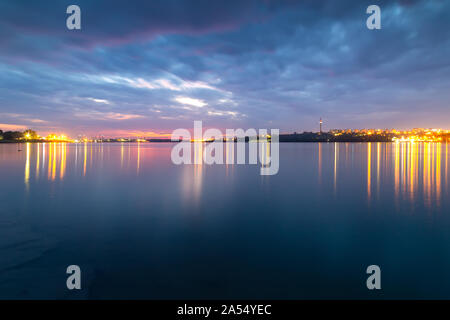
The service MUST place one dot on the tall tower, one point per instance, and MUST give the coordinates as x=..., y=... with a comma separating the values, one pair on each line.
x=320, y=123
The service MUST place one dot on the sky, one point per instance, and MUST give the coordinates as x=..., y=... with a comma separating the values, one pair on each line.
x=146, y=68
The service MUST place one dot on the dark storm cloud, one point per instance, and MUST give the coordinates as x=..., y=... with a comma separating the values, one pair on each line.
x=161, y=64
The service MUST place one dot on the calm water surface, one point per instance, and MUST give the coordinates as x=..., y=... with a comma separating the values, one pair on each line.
x=141, y=227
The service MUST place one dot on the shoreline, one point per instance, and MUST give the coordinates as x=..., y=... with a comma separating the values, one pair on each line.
x=306, y=141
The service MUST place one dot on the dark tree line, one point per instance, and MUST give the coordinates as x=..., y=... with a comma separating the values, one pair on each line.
x=18, y=135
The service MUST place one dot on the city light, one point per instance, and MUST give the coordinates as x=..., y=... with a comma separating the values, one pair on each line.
x=56, y=138
x=334, y=135
x=414, y=135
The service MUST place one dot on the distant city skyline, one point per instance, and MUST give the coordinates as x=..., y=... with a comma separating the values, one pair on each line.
x=332, y=135
x=147, y=70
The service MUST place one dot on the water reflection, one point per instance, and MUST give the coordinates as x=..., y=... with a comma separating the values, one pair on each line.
x=50, y=157
x=105, y=208
x=85, y=159
x=43, y=155
x=27, y=167
x=407, y=170
x=336, y=159
x=37, y=161
x=420, y=171
x=138, y=157
x=411, y=168
x=446, y=165
x=369, y=170
x=198, y=170
x=192, y=176
x=378, y=168
x=264, y=153
x=62, y=166
x=396, y=168
x=320, y=162
x=121, y=155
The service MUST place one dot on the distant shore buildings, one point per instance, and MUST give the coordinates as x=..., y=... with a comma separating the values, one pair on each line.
x=334, y=135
